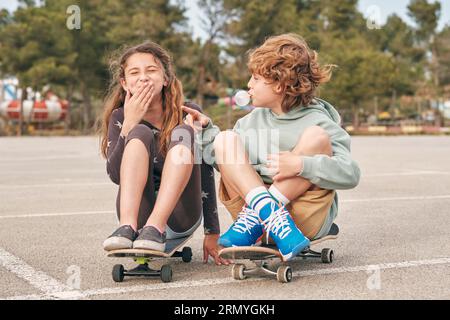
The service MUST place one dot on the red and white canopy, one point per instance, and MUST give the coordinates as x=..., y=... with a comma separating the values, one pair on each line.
x=50, y=110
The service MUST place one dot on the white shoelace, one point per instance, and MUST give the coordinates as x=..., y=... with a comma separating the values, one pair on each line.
x=277, y=223
x=246, y=220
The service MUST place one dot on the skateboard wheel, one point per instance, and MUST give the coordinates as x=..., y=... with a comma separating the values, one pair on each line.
x=327, y=255
x=118, y=273
x=238, y=272
x=284, y=274
x=166, y=273
x=186, y=254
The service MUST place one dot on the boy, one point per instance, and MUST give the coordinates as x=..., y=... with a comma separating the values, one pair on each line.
x=300, y=203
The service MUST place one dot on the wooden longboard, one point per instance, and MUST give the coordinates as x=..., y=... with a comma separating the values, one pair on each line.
x=172, y=246
x=269, y=251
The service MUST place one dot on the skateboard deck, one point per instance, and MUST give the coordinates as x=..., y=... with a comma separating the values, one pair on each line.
x=260, y=254
x=172, y=246
x=269, y=251
x=142, y=257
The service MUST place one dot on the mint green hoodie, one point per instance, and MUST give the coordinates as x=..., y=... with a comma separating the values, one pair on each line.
x=263, y=132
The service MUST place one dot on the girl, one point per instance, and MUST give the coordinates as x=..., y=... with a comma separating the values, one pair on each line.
x=150, y=155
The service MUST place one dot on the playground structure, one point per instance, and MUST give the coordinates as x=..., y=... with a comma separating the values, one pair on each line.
x=37, y=108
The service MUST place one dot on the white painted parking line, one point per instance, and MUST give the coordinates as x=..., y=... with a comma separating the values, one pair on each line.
x=222, y=281
x=54, y=185
x=35, y=278
x=437, y=197
x=63, y=172
x=44, y=158
x=56, y=214
x=82, y=213
x=414, y=173
x=381, y=266
x=211, y=282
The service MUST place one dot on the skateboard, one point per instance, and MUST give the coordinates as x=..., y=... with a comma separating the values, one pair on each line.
x=142, y=257
x=260, y=255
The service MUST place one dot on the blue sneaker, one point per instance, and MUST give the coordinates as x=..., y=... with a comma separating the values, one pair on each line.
x=279, y=225
x=245, y=231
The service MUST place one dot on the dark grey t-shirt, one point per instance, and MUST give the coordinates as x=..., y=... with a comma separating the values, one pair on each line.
x=116, y=146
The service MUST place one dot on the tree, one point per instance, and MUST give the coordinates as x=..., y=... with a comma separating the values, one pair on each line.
x=426, y=16
x=398, y=39
x=214, y=23
x=361, y=75
x=5, y=17
x=443, y=56
x=39, y=48
x=251, y=22
x=342, y=18
x=29, y=53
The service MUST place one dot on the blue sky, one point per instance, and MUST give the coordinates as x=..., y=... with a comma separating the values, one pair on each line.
x=386, y=8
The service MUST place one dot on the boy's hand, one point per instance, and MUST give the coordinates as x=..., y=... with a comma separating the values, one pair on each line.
x=284, y=165
x=211, y=248
x=195, y=119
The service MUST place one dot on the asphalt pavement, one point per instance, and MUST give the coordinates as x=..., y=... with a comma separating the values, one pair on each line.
x=57, y=205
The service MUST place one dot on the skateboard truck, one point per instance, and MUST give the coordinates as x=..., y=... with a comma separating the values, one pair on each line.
x=142, y=270
x=283, y=272
x=326, y=255
x=143, y=257
x=260, y=254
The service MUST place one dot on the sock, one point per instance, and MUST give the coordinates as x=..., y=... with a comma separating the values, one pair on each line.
x=260, y=200
x=257, y=198
x=278, y=196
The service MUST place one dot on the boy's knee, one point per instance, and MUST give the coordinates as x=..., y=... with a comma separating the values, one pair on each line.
x=224, y=139
x=315, y=139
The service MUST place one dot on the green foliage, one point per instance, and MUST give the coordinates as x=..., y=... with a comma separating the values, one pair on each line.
x=38, y=48
x=443, y=53
x=382, y=63
x=426, y=15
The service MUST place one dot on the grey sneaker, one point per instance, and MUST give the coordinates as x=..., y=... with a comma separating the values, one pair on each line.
x=122, y=238
x=150, y=239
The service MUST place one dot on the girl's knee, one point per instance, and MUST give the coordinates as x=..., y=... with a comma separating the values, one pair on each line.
x=184, y=135
x=185, y=129
x=142, y=133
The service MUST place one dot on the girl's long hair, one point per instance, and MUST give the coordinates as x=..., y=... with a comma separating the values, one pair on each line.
x=172, y=94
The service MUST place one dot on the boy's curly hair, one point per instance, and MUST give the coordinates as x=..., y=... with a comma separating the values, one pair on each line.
x=287, y=60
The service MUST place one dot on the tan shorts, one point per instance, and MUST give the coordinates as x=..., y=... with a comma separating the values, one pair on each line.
x=309, y=211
